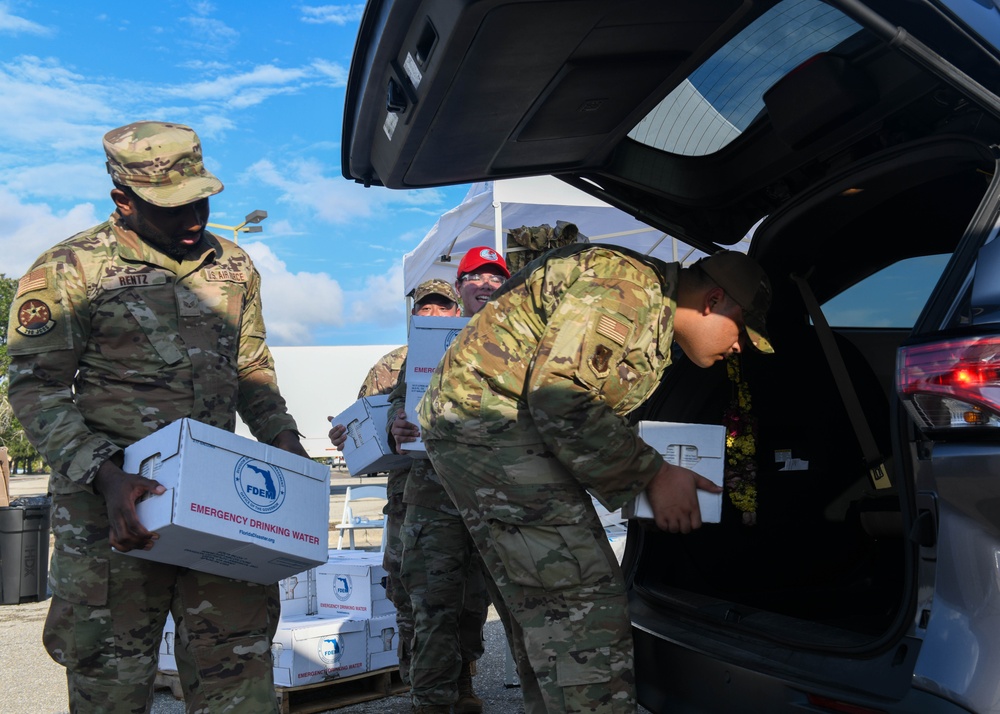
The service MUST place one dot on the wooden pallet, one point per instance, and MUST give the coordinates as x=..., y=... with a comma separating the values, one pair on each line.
x=343, y=692
x=321, y=696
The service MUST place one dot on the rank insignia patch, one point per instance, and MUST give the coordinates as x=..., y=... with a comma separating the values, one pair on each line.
x=34, y=318
x=600, y=361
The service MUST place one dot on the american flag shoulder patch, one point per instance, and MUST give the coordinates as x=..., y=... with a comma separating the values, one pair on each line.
x=37, y=279
x=612, y=329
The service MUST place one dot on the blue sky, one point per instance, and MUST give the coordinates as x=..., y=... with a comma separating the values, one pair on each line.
x=263, y=85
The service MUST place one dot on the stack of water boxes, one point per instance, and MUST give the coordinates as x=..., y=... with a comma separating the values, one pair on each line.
x=335, y=622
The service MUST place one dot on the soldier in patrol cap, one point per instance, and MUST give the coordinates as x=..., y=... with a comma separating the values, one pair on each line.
x=441, y=569
x=525, y=415
x=115, y=333
x=435, y=298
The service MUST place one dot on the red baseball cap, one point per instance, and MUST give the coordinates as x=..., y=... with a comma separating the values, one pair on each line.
x=475, y=258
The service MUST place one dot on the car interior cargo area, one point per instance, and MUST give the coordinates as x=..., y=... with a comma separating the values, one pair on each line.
x=825, y=563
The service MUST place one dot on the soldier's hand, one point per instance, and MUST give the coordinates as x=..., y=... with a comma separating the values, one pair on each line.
x=121, y=492
x=338, y=434
x=673, y=496
x=288, y=440
x=402, y=430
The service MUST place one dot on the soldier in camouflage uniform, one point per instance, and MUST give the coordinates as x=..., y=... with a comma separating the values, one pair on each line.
x=430, y=298
x=115, y=333
x=525, y=415
x=441, y=569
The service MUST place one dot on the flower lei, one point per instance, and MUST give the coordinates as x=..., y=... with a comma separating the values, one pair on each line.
x=741, y=445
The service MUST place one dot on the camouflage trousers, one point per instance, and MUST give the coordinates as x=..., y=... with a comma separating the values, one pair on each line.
x=108, y=611
x=395, y=511
x=443, y=574
x=562, y=595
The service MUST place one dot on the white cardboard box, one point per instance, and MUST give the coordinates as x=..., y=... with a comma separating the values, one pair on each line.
x=429, y=338
x=366, y=450
x=233, y=506
x=311, y=648
x=352, y=583
x=383, y=642
x=298, y=593
x=699, y=447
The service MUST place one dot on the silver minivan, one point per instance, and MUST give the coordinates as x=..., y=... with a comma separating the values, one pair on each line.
x=856, y=567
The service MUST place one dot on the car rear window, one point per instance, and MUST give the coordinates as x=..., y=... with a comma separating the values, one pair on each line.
x=890, y=298
x=722, y=98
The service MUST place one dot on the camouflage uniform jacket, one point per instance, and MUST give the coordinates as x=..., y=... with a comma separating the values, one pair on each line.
x=570, y=345
x=111, y=340
x=384, y=374
x=423, y=487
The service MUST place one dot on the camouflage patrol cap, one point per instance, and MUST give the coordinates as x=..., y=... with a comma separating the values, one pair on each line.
x=161, y=162
x=746, y=283
x=435, y=287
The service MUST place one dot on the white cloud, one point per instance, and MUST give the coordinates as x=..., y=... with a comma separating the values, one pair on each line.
x=381, y=301
x=46, y=104
x=28, y=229
x=226, y=87
x=333, y=199
x=297, y=305
x=335, y=14
x=213, y=125
x=14, y=25
x=336, y=72
x=203, y=8
x=60, y=181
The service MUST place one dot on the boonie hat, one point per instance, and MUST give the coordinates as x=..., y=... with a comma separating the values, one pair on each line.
x=435, y=287
x=161, y=162
x=476, y=258
x=746, y=283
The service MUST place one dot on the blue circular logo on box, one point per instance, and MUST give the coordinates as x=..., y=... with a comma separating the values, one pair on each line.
x=342, y=587
x=330, y=650
x=261, y=486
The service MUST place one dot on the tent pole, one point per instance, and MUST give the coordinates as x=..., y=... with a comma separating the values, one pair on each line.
x=498, y=226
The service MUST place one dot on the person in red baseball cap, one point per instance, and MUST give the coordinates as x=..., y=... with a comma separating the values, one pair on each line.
x=480, y=272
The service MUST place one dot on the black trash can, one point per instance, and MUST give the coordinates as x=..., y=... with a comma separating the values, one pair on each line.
x=24, y=551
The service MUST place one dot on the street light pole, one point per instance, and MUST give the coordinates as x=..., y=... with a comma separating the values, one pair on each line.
x=253, y=217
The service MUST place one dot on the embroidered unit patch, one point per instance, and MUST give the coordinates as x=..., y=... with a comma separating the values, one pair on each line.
x=34, y=319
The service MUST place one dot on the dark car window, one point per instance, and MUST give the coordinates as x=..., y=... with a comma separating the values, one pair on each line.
x=722, y=98
x=892, y=297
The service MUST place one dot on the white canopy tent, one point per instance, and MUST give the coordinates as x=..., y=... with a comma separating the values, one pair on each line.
x=491, y=208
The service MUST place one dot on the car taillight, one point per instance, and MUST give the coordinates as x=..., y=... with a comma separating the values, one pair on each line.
x=835, y=705
x=951, y=384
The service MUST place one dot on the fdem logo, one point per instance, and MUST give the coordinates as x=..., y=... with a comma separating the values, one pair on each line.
x=330, y=650
x=450, y=337
x=261, y=486
x=342, y=587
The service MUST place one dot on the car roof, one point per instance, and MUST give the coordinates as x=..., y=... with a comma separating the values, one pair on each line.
x=699, y=117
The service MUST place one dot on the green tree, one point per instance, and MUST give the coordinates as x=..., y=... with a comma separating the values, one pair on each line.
x=22, y=453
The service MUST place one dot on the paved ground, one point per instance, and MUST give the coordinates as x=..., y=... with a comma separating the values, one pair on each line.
x=30, y=683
